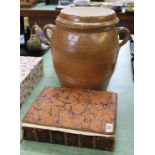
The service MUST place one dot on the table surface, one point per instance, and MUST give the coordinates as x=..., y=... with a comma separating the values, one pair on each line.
x=121, y=83
x=41, y=7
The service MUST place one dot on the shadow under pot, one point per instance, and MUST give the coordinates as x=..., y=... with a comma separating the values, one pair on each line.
x=85, y=46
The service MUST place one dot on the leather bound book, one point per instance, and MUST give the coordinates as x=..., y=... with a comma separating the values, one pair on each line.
x=73, y=117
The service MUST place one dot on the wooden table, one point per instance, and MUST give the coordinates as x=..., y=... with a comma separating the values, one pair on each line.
x=121, y=83
x=44, y=14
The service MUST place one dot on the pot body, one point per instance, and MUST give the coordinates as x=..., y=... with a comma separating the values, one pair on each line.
x=84, y=58
x=85, y=48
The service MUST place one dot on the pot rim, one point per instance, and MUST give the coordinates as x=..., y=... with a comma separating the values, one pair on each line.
x=82, y=21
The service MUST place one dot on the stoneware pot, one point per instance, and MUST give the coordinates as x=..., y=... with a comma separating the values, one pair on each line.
x=85, y=46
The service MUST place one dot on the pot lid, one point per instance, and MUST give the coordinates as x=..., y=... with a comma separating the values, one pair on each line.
x=87, y=17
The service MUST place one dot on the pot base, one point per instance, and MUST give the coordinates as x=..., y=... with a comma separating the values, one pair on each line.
x=97, y=86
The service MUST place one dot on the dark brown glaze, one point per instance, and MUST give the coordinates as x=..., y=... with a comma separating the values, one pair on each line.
x=78, y=109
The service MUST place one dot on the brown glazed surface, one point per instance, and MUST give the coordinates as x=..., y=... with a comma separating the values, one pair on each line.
x=85, y=47
x=78, y=109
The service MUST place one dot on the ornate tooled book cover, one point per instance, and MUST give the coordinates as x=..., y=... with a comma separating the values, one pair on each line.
x=84, y=110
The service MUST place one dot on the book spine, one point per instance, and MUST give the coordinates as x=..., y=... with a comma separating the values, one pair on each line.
x=69, y=139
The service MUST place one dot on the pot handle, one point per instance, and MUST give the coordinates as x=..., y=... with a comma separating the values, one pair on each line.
x=127, y=35
x=48, y=27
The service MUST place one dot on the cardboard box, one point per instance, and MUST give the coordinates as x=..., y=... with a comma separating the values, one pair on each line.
x=31, y=72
